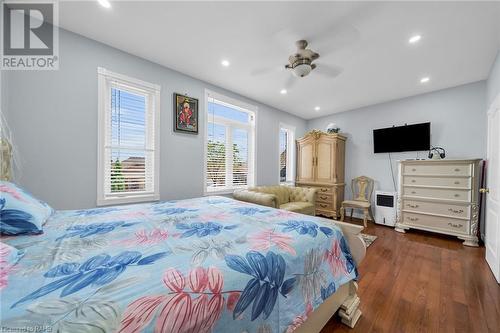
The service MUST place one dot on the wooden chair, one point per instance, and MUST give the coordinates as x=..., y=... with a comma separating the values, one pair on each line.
x=362, y=189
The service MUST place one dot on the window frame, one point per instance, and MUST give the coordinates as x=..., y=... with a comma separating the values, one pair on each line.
x=231, y=124
x=290, y=154
x=106, y=80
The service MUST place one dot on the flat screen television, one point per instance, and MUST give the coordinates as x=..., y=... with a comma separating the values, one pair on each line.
x=402, y=138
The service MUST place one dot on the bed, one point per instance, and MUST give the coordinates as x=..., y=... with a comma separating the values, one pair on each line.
x=196, y=265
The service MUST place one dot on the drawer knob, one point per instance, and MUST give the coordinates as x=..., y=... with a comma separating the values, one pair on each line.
x=457, y=170
x=413, y=218
x=457, y=182
x=413, y=180
x=324, y=189
x=413, y=192
x=456, y=195
x=455, y=225
x=457, y=211
x=412, y=206
x=413, y=169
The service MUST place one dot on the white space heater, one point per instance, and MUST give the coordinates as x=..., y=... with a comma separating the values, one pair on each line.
x=385, y=208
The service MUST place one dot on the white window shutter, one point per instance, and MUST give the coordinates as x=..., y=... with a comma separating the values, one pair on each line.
x=128, y=144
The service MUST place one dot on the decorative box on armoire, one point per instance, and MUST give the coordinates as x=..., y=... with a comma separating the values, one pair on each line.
x=440, y=196
x=320, y=164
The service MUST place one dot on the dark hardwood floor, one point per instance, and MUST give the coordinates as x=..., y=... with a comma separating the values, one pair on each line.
x=422, y=282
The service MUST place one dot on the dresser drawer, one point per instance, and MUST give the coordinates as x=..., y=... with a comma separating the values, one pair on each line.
x=325, y=190
x=438, y=169
x=436, y=208
x=463, y=182
x=437, y=193
x=324, y=205
x=321, y=197
x=435, y=222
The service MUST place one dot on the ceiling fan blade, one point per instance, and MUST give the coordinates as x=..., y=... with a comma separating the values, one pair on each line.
x=343, y=31
x=335, y=38
x=290, y=82
x=328, y=70
x=285, y=39
x=265, y=71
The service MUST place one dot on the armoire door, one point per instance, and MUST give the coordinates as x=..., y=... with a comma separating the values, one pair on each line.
x=306, y=154
x=325, y=160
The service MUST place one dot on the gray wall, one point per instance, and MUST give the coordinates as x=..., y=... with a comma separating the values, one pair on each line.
x=494, y=80
x=458, y=124
x=53, y=117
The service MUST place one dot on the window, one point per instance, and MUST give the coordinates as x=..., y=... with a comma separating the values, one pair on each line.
x=229, y=150
x=287, y=148
x=128, y=141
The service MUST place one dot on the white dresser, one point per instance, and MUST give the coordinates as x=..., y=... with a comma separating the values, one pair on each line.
x=439, y=196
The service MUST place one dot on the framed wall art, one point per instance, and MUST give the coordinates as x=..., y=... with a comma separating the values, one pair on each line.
x=185, y=114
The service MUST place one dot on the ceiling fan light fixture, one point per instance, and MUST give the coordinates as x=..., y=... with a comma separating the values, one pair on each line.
x=301, y=70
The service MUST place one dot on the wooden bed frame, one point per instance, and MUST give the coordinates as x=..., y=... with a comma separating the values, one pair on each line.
x=345, y=300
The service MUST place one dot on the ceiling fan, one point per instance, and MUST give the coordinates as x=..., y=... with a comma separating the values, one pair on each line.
x=300, y=63
x=335, y=36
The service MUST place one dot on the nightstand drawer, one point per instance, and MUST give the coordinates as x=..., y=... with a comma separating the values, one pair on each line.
x=324, y=197
x=435, y=222
x=463, y=182
x=446, y=209
x=438, y=169
x=437, y=193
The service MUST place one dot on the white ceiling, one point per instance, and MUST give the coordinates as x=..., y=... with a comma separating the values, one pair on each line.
x=367, y=40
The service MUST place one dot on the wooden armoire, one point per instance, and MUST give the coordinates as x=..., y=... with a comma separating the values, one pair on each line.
x=320, y=164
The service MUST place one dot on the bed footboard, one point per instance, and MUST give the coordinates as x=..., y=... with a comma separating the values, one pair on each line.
x=356, y=243
x=345, y=300
x=349, y=310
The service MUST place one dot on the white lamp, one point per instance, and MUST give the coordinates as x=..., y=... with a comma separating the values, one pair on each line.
x=332, y=128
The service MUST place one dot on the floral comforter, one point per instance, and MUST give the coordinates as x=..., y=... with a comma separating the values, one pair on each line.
x=198, y=265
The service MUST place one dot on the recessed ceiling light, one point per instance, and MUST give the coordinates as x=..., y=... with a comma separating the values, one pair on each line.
x=424, y=79
x=104, y=3
x=225, y=63
x=414, y=39
x=317, y=108
x=283, y=91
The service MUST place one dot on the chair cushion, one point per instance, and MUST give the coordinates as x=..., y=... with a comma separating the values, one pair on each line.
x=299, y=207
x=354, y=203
